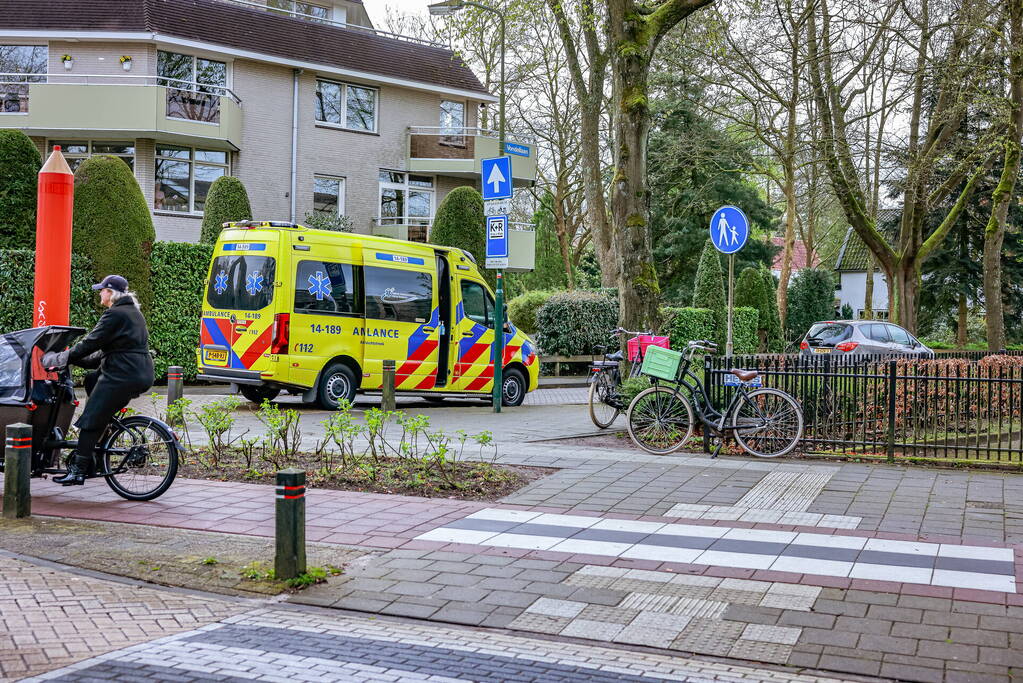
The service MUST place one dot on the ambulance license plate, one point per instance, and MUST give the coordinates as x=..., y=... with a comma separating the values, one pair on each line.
x=217, y=356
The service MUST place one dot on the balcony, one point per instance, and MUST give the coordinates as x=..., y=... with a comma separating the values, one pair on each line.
x=408, y=228
x=521, y=238
x=147, y=106
x=458, y=153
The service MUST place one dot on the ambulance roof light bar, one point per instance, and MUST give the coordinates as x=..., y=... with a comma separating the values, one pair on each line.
x=252, y=225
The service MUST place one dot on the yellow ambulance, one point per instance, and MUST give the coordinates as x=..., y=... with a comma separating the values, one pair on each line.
x=312, y=312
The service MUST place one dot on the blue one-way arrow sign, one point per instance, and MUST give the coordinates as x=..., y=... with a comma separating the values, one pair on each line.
x=497, y=178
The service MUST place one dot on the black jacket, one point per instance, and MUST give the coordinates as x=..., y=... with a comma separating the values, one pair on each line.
x=123, y=339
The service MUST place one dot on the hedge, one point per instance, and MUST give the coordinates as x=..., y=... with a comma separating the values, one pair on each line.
x=17, y=290
x=112, y=223
x=19, y=171
x=459, y=223
x=745, y=338
x=522, y=309
x=709, y=288
x=575, y=323
x=226, y=201
x=179, y=279
x=683, y=325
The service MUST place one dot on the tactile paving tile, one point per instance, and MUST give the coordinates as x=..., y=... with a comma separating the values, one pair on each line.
x=802, y=603
x=736, y=597
x=593, y=630
x=557, y=608
x=590, y=581
x=710, y=609
x=613, y=615
x=695, y=580
x=649, y=602
x=783, y=635
x=760, y=651
x=540, y=623
x=709, y=636
x=651, y=637
x=662, y=620
x=637, y=586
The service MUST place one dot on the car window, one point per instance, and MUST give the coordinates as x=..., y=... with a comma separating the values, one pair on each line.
x=477, y=303
x=400, y=295
x=325, y=287
x=878, y=333
x=899, y=335
x=828, y=333
x=241, y=283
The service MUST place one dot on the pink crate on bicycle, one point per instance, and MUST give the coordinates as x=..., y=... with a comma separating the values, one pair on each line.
x=638, y=345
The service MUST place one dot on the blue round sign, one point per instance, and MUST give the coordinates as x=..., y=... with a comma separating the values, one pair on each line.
x=729, y=229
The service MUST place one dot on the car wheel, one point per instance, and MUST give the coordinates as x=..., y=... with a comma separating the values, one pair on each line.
x=258, y=393
x=337, y=383
x=513, y=388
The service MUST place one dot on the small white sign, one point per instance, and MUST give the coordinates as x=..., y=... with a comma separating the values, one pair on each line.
x=496, y=207
x=497, y=262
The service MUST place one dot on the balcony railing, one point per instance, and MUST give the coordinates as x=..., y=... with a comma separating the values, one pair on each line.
x=340, y=24
x=187, y=100
x=440, y=142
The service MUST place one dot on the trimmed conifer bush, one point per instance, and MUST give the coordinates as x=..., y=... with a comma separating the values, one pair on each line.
x=775, y=337
x=19, y=171
x=709, y=289
x=811, y=299
x=459, y=223
x=745, y=336
x=112, y=224
x=227, y=201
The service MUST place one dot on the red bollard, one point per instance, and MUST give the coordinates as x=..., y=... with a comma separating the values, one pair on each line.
x=53, y=242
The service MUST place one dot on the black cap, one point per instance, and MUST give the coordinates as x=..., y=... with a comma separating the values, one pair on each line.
x=114, y=282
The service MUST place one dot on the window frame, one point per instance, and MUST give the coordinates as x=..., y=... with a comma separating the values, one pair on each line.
x=192, y=162
x=293, y=11
x=406, y=188
x=489, y=305
x=342, y=191
x=452, y=139
x=343, y=115
x=195, y=85
x=90, y=144
x=370, y=270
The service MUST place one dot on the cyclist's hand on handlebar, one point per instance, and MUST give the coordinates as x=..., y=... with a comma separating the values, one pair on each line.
x=55, y=360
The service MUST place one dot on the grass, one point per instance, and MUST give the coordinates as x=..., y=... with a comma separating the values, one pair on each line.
x=258, y=571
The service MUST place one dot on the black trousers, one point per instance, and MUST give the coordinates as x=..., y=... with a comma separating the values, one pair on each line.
x=106, y=399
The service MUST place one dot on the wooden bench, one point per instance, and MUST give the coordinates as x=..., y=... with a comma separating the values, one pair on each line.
x=558, y=360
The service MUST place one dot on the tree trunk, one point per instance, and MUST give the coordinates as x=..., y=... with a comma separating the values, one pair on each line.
x=593, y=190
x=790, y=241
x=962, y=322
x=868, y=290
x=994, y=232
x=907, y=289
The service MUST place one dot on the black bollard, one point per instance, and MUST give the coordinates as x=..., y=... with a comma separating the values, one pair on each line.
x=175, y=385
x=17, y=468
x=387, y=396
x=290, y=559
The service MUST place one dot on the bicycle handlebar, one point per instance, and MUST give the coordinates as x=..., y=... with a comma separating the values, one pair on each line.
x=702, y=345
x=622, y=330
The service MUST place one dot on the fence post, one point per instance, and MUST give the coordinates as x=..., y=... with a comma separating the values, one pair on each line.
x=175, y=387
x=710, y=395
x=289, y=560
x=17, y=468
x=890, y=450
x=387, y=396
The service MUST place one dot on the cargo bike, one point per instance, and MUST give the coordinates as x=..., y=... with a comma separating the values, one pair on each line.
x=137, y=455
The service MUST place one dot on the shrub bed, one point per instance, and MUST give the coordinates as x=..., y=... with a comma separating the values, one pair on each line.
x=575, y=323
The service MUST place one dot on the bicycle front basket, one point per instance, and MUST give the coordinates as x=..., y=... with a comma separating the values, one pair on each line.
x=661, y=363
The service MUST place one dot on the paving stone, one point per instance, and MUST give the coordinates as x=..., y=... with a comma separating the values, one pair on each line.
x=709, y=636
x=760, y=651
x=885, y=643
x=754, y=615
x=593, y=630
x=828, y=636
x=541, y=623
x=557, y=608
x=908, y=672
x=651, y=637
x=854, y=665
x=978, y=637
x=615, y=615
x=771, y=634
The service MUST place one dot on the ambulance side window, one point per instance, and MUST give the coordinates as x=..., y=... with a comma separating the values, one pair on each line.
x=477, y=303
x=398, y=295
x=325, y=287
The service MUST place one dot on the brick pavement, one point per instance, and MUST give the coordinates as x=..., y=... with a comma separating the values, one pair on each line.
x=49, y=618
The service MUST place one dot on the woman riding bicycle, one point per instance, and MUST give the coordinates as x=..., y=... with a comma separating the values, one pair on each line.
x=118, y=347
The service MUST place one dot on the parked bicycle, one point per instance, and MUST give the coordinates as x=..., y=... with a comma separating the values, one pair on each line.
x=765, y=422
x=605, y=378
x=137, y=455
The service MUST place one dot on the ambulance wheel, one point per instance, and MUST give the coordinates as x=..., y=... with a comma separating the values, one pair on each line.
x=513, y=388
x=337, y=383
x=257, y=394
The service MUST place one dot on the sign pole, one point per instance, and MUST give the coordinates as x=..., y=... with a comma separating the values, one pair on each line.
x=499, y=342
x=731, y=287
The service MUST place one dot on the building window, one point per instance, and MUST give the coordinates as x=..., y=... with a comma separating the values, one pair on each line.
x=452, y=122
x=188, y=72
x=303, y=10
x=405, y=199
x=347, y=106
x=329, y=195
x=21, y=64
x=184, y=176
x=77, y=151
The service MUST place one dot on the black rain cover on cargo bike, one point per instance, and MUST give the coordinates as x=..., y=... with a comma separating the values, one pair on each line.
x=16, y=358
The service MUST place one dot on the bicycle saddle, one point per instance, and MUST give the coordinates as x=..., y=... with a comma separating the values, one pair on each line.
x=745, y=375
x=617, y=355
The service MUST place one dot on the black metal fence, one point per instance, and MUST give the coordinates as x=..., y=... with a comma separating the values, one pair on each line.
x=964, y=406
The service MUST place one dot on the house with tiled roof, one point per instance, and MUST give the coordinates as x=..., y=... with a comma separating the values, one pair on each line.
x=849, y=259
x=314, y=109
x=799, y=257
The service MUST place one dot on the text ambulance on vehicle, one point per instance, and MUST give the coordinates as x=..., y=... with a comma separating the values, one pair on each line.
x=316, y=313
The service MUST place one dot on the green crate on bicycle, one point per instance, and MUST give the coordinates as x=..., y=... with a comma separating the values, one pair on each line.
x=662, y=363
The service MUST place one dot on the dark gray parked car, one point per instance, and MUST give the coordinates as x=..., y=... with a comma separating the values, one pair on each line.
x=852, y=337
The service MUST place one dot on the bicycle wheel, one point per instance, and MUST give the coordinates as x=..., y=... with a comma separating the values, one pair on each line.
x=143, y=455
x=605, y=404
x=769, y=425
x=660, y=420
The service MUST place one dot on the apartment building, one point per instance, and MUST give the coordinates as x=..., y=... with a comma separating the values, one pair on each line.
x=306, y=102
